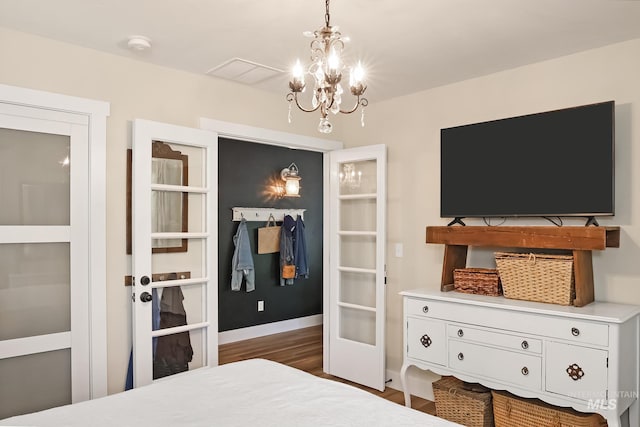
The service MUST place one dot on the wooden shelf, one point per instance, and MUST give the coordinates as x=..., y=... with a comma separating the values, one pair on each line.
x=580, y=240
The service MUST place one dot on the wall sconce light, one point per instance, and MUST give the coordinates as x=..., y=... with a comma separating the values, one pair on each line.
x=290, y=175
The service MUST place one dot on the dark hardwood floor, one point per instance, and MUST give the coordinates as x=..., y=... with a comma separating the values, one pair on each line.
x=302, y=349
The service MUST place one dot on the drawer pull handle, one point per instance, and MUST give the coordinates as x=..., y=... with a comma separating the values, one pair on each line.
x=460, y=356
x=575, y=332
x=525, y=345
x=460, y=333
x=425, y=309
x=575, y=372
x=525, y=371
x=425, y=340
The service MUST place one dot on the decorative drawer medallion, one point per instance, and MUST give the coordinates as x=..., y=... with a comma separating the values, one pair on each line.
x=576, y=371
x=426, y=340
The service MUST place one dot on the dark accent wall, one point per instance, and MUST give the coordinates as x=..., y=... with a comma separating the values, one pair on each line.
x=244, y=173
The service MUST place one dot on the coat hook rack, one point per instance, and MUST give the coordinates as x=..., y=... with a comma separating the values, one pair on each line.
x=262, y=214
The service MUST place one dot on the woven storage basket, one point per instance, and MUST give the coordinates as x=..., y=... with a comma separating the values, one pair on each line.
x=481, y=281
x=537, y=277
x=455, y=402
x=511, y=411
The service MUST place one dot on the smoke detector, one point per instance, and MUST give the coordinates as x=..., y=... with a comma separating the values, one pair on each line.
x=139, y=43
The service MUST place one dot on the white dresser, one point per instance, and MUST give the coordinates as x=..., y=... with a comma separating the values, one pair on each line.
x=586, y=357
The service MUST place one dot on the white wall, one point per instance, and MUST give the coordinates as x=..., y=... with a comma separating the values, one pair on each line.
x=135, y=90
x=410, y=127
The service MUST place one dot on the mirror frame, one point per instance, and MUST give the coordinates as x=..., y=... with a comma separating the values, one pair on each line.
x=160, y=150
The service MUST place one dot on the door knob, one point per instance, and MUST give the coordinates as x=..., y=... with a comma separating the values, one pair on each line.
x=145, y=297
x=145, y=280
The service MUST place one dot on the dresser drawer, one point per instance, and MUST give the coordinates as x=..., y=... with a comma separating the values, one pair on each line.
x=426, y=340
x=494, y=338
x=578, y=331
x=572, y=330
x=428, y=308
x=576, y=371
x=480, y=361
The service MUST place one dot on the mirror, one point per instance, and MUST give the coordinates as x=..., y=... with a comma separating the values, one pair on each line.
x=169, y=208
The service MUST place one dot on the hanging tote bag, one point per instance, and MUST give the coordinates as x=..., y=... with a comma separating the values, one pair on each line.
x=269, y=237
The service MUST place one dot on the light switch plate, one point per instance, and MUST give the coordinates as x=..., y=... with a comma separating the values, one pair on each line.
x=399, y=250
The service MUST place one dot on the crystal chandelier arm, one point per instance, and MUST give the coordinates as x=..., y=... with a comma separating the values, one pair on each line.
x=360, y=102
x=292, y=96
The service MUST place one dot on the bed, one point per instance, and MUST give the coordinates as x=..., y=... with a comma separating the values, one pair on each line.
x=253, y=392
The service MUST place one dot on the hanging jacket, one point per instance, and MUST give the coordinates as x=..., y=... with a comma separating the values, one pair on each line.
x=173, y=352
x=242, y=261
x=300, y=250
x=286, y=246
x=155, y=325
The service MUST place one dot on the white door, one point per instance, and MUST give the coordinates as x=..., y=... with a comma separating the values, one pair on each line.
x=175, y=296
x=44, y=246
x=357, y=265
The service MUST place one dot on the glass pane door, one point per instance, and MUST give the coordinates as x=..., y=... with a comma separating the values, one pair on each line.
x=41, y=294
x=174, y=206
x=356, y=345
x=357, y=248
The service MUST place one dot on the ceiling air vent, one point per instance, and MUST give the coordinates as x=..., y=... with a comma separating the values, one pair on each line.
x=243, y=71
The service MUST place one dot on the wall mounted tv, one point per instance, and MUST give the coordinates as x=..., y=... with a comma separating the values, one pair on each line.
x=551, y=164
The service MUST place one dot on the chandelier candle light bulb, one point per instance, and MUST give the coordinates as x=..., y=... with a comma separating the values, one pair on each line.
x=334, y=62
x=356, y=76
x=298, y=73
x=326, y=70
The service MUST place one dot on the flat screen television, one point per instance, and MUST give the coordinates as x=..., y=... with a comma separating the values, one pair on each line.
x=551, y=164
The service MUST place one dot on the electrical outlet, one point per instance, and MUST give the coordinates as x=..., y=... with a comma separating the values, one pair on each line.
x=260, y=305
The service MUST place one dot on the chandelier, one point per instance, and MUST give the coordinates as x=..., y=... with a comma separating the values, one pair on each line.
x=326, y=71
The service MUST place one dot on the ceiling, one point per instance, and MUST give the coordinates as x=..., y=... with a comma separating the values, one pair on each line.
x=406, y=45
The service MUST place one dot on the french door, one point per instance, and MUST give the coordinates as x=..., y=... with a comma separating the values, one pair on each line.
x=175, y=296
x=354, y=257
x=357, y=199
x=44, y=262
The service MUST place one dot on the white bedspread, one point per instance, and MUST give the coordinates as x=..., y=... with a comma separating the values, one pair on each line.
x=251, y=393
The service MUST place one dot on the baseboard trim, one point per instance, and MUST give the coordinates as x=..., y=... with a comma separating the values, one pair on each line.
x=268, y=329
x=420, y=382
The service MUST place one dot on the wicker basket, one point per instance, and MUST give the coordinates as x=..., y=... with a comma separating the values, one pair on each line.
x=481, y=281
x=511, y=411
x=458, y=402
x=537, y=277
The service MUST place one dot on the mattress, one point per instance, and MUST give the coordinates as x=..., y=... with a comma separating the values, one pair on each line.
x=254, y=392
